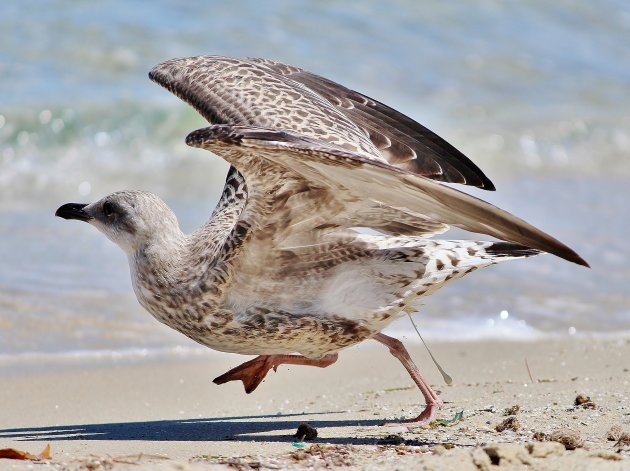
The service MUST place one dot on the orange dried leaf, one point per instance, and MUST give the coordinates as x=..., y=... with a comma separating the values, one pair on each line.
x=13, y=454
x=45, y=454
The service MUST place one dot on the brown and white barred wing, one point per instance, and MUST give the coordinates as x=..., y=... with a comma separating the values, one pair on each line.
x=237, y=91
x=403, y=142
x=264, y=93
x=353, y=181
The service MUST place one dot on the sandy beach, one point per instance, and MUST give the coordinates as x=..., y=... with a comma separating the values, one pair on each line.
x=169, y=414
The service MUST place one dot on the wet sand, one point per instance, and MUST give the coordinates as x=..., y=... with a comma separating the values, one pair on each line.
x=169, y=414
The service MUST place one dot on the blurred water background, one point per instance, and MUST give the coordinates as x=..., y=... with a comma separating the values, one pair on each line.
x=537, y=93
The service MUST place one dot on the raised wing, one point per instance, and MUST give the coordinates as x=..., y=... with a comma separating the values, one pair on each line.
x=404, y=142
x=350, y=181
x=263, y=93
x=237, y=91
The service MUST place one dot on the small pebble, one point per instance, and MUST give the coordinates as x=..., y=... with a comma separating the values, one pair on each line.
x=305, y=432
x=584, y=401
x=569, y=438
x=614, y=434
x=511, y=423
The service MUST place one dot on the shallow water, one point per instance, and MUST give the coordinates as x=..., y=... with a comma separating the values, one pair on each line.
x=536, y=93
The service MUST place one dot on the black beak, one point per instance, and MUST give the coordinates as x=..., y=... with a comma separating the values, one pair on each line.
x=73, y=211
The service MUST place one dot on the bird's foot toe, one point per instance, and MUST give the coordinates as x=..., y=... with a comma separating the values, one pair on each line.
x=251, y=373
x=428, y=415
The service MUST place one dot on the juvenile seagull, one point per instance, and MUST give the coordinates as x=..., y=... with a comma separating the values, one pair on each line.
x=279, y=269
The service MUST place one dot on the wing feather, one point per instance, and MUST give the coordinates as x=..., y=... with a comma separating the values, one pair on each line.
x=401, y=139
x=264, y=93
x=356, y=178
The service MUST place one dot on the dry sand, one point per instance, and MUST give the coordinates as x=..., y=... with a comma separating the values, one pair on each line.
x=169, y=415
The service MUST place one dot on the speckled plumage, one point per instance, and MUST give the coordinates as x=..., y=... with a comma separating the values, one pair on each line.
x=279, y=268
x=269, y=94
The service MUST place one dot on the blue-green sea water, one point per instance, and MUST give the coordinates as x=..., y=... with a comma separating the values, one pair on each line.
x=537, y=93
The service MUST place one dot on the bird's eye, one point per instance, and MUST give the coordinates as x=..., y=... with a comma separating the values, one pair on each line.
x=108, y=209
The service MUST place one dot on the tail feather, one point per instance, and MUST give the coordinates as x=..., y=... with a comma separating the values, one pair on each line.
x=510, y=249
x=449, y=260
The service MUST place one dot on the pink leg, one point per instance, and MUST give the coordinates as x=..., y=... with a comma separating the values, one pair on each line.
x=434, y=403
x=252, y=372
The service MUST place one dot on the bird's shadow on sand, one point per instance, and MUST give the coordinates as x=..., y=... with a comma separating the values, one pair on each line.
x=244, y=428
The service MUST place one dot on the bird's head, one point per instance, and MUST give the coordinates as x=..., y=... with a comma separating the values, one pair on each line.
x=132, y=219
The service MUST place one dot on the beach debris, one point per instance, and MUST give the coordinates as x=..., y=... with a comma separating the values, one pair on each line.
x=614, y=434
x=330, y=456
x=585, y=402
x=624, y=440
x=540, y=436
x=515, y=409
x=95, y=462
x=240, y=463
x=569, y=438
x=212, y=458
x=529, y=372
x=403, y=449
x=305, y=432
x=297, y=444
x=457, y=418
x=391, y=440
x=14, y=454
x=511, y=423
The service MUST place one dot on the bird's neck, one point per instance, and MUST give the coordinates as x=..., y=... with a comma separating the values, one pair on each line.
x=158, y=266
x=188, y=268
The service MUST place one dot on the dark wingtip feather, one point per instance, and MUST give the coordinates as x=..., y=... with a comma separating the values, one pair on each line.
x=510, y=249
x=487, y=184
x=579, y=260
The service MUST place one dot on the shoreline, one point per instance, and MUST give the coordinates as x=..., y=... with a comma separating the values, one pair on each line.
x=170, y=407
x=29, y=362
